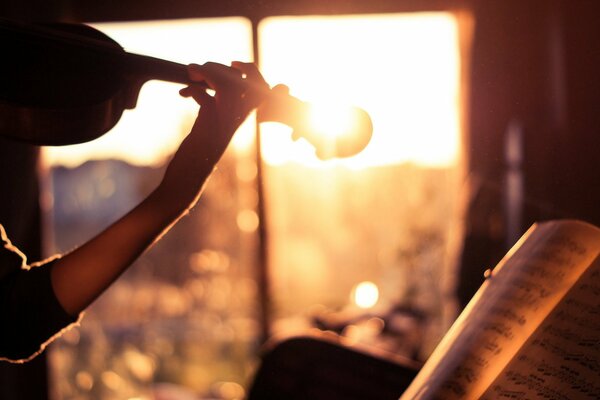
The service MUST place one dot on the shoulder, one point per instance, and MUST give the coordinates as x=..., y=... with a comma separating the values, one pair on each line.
x=11, y=258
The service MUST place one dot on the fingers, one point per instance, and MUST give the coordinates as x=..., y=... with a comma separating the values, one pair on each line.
x=250, y=72
x=238, y=89
x=281, y=89
x=195, y=72
x=256, y=86
x=198, y=93
x=239, y=78
x=219, y=77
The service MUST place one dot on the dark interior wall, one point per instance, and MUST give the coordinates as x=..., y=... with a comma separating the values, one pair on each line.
x=512, y=84
x=578, y=190
x=536, y=63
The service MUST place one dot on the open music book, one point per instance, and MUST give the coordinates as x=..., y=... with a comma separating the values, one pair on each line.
x=532, y=331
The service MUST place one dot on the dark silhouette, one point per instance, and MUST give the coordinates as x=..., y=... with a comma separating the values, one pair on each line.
x=65, y=285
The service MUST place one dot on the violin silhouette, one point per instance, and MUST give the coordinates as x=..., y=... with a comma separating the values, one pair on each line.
x=64, y=84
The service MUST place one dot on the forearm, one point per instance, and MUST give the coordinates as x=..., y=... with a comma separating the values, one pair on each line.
x=80, y=276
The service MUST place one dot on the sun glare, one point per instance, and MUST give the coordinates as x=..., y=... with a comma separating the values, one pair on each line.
x=365, y=294
x=152, y=131
x=403, y=69
x=329, y=120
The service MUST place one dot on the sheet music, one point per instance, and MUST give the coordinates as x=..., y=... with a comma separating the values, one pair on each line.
x=561, y=360
x=524, y=288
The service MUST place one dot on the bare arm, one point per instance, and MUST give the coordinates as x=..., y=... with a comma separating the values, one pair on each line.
x=79, y=277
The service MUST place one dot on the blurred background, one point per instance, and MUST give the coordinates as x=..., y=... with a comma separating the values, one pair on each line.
x=483, y=123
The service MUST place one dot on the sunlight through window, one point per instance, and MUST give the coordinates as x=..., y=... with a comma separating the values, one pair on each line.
x=403, y=69
x=152, y=131
x=377, y=226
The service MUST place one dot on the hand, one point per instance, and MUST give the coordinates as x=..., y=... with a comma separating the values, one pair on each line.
x=238, y=90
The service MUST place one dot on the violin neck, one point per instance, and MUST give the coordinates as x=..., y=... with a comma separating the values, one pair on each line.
x=148, y=68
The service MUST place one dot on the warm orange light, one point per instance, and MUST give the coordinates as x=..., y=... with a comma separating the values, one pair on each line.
x=330, y=120
x=152, y=131
x=410, y=89
x=365, y=294
x=403, y=69
x=337, y=131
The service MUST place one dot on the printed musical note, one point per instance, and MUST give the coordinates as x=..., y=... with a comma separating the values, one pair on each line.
x=561, y=360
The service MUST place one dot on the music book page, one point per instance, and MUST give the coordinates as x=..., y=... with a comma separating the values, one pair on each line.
x=561, y=360
x=480, y=354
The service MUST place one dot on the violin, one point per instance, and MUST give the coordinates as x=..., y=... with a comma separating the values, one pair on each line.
x=64, y=84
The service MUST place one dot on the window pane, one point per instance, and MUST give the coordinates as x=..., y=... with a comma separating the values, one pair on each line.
x=183, y=318
x=373, y=230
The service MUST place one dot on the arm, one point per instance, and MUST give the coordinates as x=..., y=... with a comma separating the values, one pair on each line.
x=79, y=277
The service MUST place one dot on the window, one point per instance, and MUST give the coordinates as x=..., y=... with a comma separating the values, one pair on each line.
x=364, y=241
x=376, y=228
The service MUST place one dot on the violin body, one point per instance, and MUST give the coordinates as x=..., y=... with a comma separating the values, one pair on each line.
x=68, y=83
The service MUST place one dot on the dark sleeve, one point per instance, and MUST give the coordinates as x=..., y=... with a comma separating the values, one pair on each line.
x=30, y=313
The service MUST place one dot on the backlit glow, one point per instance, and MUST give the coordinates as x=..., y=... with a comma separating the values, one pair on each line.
x=329, y=120
x=366, y=294
x=403, y=69
x=149, y=133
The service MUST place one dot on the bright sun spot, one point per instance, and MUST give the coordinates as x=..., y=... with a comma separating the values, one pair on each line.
x=330, y=120
x=365, y=294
